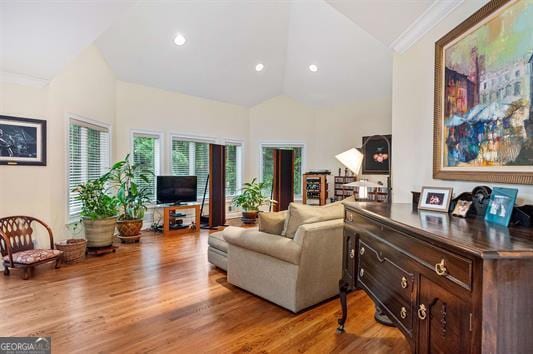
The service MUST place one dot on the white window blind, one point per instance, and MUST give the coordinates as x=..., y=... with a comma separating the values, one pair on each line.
x=146, y=152
x=233, y=168
x=89, y=152
x=267, y=166
x=191, y=158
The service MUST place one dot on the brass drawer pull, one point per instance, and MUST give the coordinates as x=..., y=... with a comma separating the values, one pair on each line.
x=403, y=312
x=361, y=272
x=349, y=217
x=422, y=312
x=352, y=253
x=440, y=268
x=362, y=251
x=404, y=282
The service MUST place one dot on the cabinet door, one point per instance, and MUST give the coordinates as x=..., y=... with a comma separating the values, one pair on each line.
x=444, y=320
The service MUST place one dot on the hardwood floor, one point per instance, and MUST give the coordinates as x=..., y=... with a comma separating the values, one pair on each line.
x=162, y=296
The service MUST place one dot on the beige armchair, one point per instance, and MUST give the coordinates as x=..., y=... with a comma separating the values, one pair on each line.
x=293, y=273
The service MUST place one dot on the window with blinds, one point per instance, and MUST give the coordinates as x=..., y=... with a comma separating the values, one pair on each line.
x=267, y=167
x=89, y=152
x=233, y=168
x=190, y=158
x=146, y=152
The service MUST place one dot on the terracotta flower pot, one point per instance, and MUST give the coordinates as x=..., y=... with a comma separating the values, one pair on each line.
x=249, y=217
x=99, y=233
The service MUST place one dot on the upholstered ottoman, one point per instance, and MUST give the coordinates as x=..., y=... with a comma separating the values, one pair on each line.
x=217, y=252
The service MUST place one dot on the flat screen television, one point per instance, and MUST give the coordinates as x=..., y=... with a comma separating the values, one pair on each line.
x=176, y=189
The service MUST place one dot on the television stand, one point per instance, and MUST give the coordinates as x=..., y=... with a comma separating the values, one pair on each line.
x=173, y=219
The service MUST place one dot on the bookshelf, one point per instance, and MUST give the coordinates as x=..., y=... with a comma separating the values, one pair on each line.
x=342, y=192
x=315, y=189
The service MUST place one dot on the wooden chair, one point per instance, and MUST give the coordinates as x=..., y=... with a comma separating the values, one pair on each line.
x=16, y=245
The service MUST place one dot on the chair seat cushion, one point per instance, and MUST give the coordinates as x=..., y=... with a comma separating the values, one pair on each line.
x=33, y=256
x=216, y=240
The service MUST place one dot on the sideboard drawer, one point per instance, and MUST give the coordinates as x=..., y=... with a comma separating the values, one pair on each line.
x=379, y=259
x=451, y=266
x=370, y=277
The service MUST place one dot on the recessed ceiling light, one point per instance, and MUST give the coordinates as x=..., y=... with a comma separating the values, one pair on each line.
x=179, y=40
x=313, y=68
x=259, y=67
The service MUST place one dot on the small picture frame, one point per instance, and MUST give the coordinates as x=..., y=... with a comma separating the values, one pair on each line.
x=22, y=141
x=435, y=199
x=461, y=208
x=501, y=205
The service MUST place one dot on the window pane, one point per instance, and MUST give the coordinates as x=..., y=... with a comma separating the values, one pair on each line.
x=146, y=154
x=233, y=169
x=191, y=158
x=201, y=166
x=88, y=159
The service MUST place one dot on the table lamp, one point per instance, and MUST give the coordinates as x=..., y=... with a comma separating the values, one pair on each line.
x=353, y=160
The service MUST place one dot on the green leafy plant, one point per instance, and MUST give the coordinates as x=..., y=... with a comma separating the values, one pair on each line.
x=132, y=198
x=97, y=202
x=251, y=196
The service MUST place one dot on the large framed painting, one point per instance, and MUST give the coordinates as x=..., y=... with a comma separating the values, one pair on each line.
x=483, y=119
x=377, y=154
x=22, y=141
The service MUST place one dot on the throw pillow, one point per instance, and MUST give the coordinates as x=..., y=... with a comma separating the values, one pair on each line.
x=272, y=223
x=300, y=214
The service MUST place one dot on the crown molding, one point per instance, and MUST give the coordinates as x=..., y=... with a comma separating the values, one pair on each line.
x=21, y=79
x=423, y=24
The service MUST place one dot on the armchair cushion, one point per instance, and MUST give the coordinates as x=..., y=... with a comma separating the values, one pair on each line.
x=272, y=223
x=275, y=246
x=33, y=256
x=301, y=214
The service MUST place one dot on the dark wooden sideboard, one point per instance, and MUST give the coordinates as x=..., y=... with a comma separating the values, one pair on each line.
x=451, y=285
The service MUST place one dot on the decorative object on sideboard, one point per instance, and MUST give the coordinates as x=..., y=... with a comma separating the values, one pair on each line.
x=522, y=216
x=480, y=199
x=251, y=199
x=132, y=198
x=483, y=116
x=22, y=141
x=435, y=199
x=501, y=205
x=377, y=154
x=353, y=159
x=415, y=199
x=462, y=207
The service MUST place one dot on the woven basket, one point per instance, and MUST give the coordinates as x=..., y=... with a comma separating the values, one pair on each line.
x=73, y=250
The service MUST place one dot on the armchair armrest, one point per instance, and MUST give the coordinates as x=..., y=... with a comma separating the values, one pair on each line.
x=50, y=233
x=276, y=246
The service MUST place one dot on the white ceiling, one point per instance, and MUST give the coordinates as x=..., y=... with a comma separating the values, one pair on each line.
x=349, y=41
x=394, y=16
x=38, y=38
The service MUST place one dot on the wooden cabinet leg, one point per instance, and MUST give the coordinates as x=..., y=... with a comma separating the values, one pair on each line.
x=342, y=295
x=6, y=271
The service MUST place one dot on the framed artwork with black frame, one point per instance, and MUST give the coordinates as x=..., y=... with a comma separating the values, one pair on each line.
x=377, y=154
x=22, y=141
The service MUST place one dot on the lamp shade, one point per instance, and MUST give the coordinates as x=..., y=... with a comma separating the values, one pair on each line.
x=353, y=159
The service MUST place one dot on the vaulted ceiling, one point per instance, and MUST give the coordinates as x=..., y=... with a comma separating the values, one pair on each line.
x=348, y=40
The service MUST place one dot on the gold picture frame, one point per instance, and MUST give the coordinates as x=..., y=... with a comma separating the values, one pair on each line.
x=495, y=174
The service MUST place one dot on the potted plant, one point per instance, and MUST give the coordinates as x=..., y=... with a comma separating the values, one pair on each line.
x=250, y=200
x=131, y=197
x=99, y=212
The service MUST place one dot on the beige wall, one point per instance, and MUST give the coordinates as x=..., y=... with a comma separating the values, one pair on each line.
x=412, y=116
x=86, y=87
x=325, y=131
x=144, y=108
